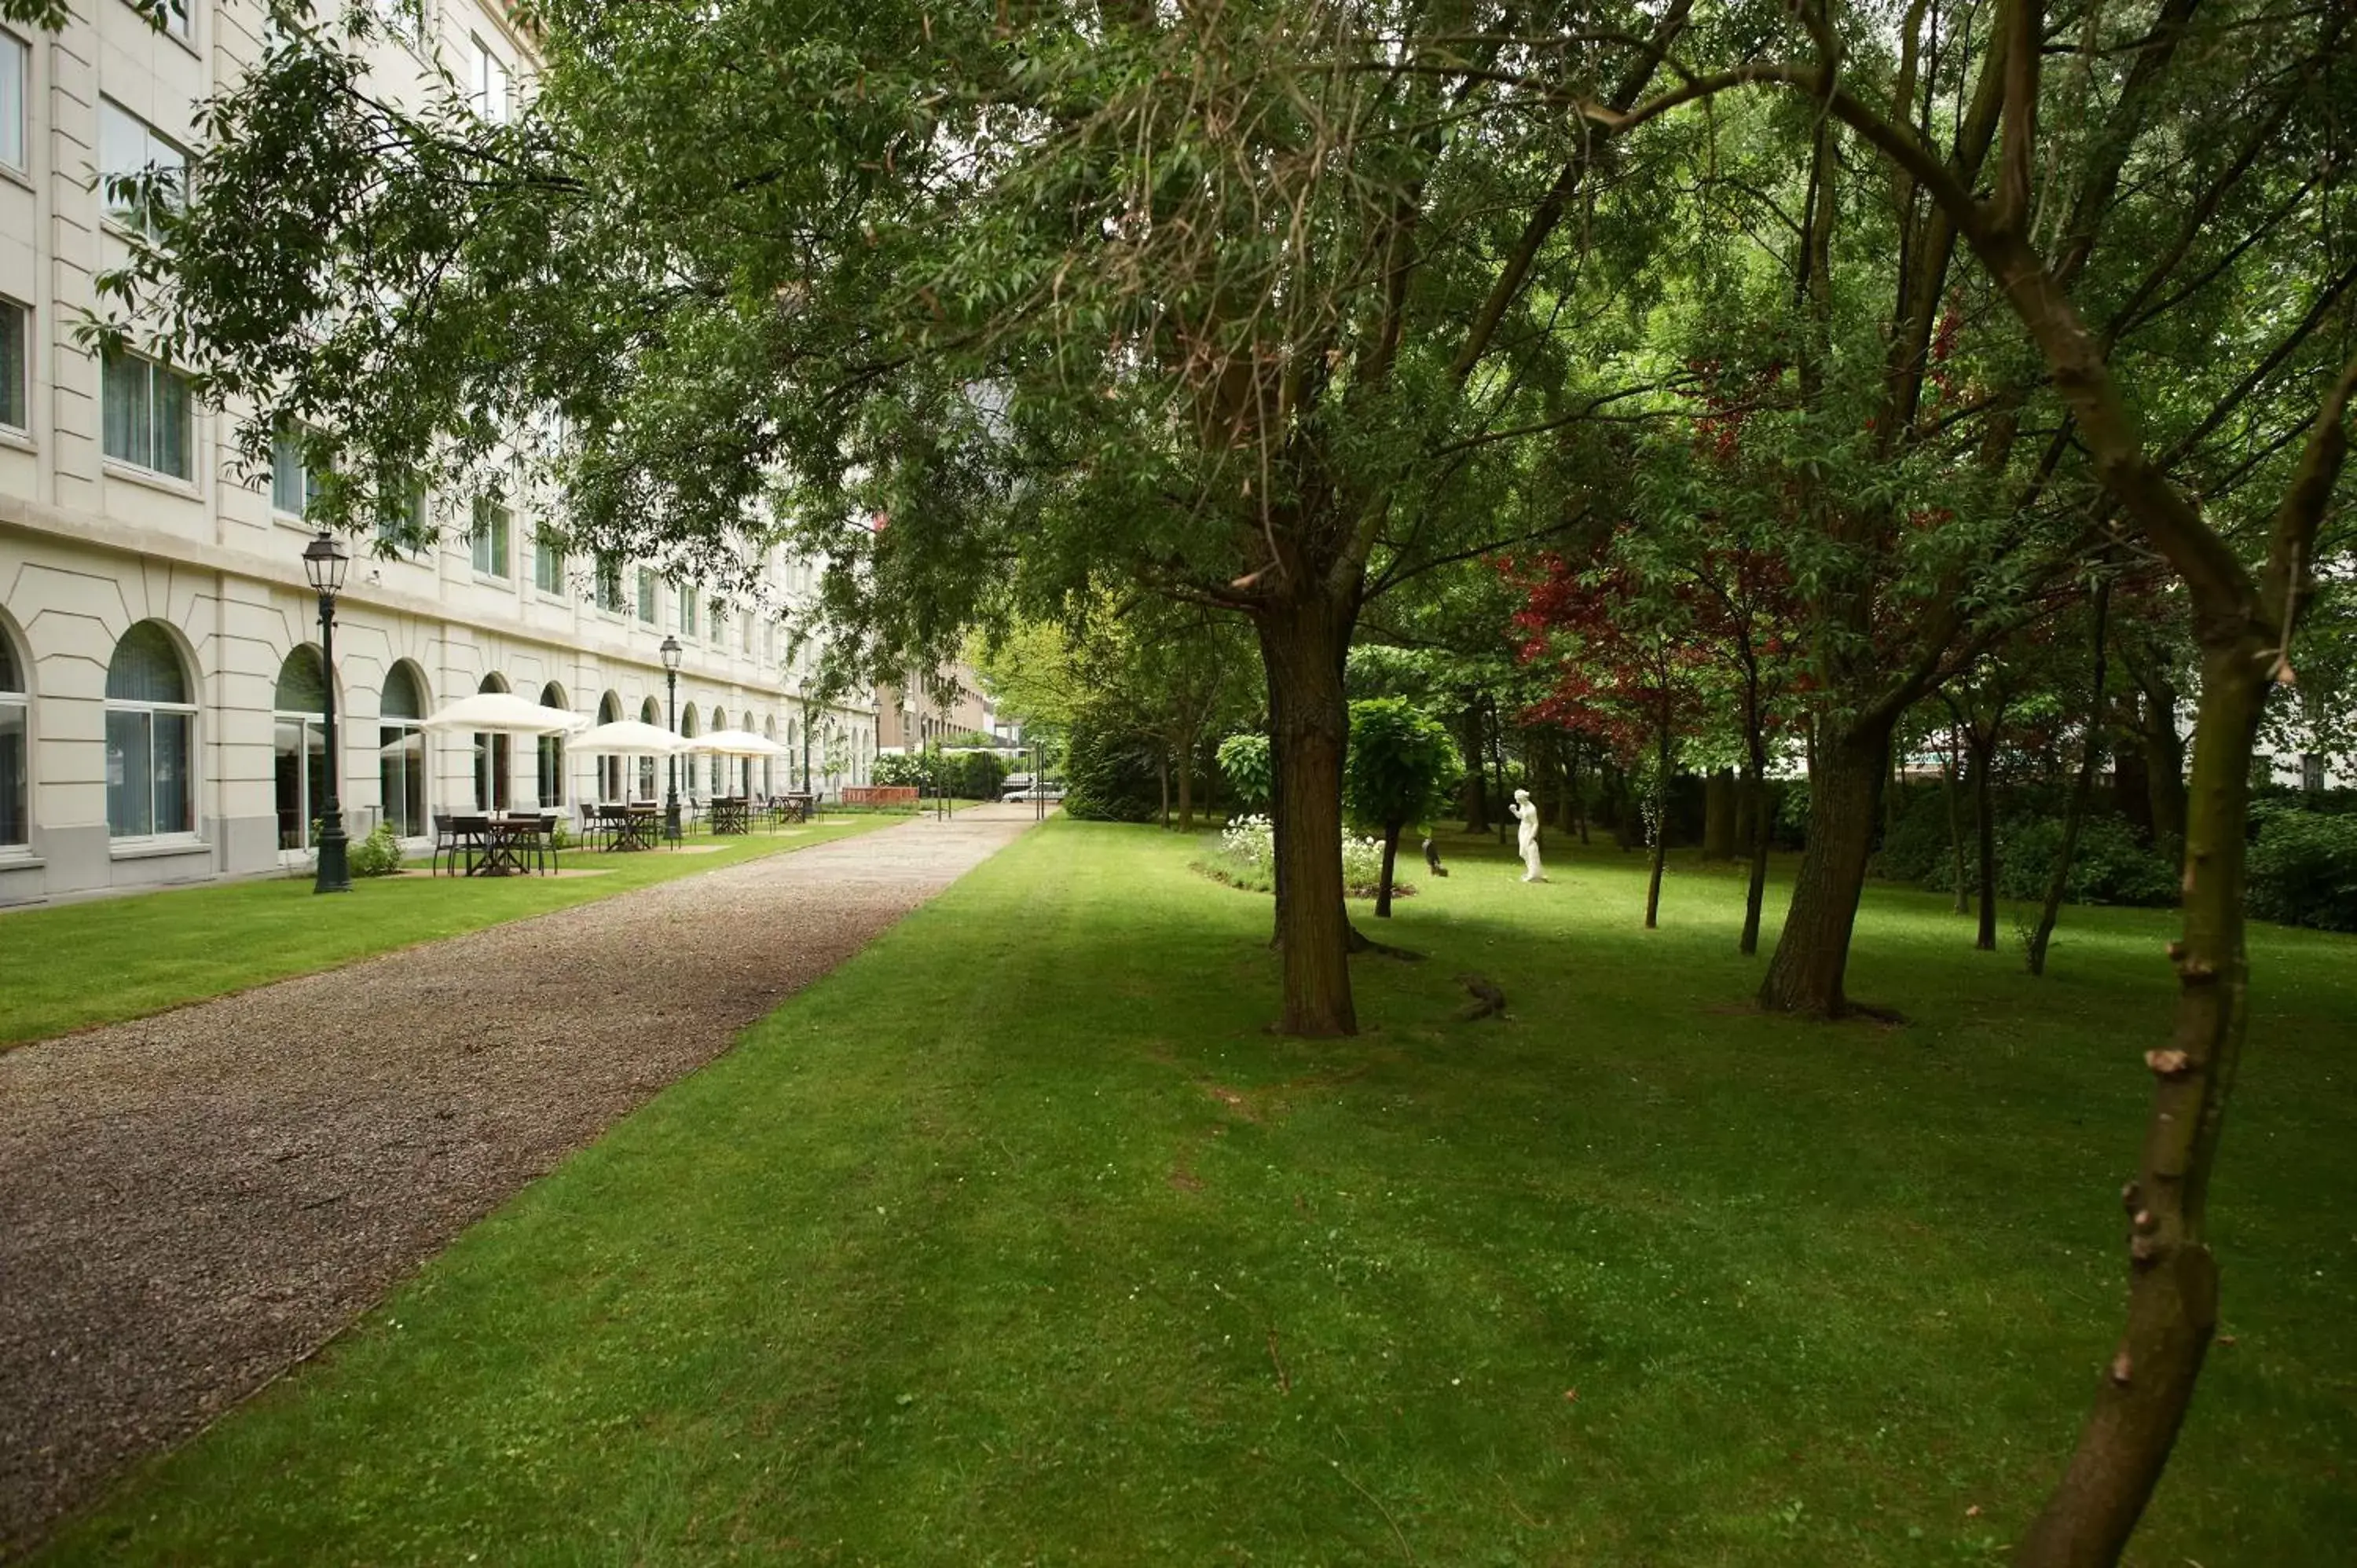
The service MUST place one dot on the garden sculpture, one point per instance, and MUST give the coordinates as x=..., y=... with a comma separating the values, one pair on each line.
x=1527, y=813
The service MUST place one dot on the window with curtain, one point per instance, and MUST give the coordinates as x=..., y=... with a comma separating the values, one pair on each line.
x=15, y=100
x=490, y=537
x=686, y=612
x=151, y=737
x=609, y=587
x=146, y=416
x=15, y=749
x=649, y=713
x=293, y=486
x=16, y=365
x=401, y=753
x=140, y=169
x=646, y=595
x=299, y=746
x=548, y=561
x=493, y=752
x=550, y=771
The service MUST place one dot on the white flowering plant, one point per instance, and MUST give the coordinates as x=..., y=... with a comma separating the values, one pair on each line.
x=1247, y=858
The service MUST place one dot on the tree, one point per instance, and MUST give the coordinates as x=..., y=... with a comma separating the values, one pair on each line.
x=1255, y=306
x=2255, y=77
x=1244, y=758
x=1399, y=769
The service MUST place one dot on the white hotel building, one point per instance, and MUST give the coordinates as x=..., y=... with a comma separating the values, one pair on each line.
x=160, y=684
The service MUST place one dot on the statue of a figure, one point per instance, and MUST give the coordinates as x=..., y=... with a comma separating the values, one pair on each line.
x=1527, y=813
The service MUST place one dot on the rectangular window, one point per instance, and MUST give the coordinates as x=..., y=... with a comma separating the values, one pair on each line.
x=609, y=587
x=490, y=537
x=547, y=563
x=16, y=365
x=16, y=96
x=719, y=627
x=646, y=595
x=404, y=530
x=488, y=83
x=293, y=486
x=148, y=777
x=146, y=416
x=180, y=17
x=687, y=612
x=2311, y=771
x=130, y=149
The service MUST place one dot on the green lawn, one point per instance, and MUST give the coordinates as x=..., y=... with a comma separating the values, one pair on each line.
x=104, y=959
x=1019, y=1241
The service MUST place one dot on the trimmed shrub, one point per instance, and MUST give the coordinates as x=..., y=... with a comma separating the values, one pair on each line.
x=379, y=854
x=1109, y=774
x=2303, y=868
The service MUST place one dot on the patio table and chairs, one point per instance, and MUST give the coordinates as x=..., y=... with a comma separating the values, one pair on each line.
x=731, y=814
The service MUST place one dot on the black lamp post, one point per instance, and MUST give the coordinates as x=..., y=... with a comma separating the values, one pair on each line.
x=803, y=693
x=671, y=787
x=324, y=561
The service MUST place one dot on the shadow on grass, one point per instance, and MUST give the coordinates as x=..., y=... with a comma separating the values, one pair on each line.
x=1018, y=1238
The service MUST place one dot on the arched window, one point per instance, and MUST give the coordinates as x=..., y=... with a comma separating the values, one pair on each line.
x=151, y=737
x=609, y=767
x=299, y=744
x=401, y=754
x=552, y=752
x=16, y=749
x=493, y=788
x=769, y=763
x=650, y=713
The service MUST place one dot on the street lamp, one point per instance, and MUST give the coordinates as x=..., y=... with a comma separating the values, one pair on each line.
x=801, y=694
x=671, y=651
x=324, y=561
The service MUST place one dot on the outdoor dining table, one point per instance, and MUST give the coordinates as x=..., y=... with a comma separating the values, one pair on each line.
x=627, y=827
x=730, y=814
x=495, y=845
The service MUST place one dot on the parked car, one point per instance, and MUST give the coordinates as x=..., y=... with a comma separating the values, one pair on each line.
x=1015, y=785
x=1027, y=791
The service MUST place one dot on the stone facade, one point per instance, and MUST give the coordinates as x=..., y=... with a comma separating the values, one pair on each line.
x=94, y=543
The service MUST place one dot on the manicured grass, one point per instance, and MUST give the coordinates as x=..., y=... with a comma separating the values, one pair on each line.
x=1019, y=1241
x=110, y=959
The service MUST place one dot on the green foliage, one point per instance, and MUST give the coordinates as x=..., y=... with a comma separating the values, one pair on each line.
x=1244, y=762
x=2110, y=865
x=902, y=771
x=1109, y=774
x=1401, y=764
x=379, y=854
x=2303, y=869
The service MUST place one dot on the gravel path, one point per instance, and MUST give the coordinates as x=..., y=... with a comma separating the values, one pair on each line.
x=192, y=1203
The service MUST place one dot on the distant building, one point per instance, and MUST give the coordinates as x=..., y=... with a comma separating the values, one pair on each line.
x=949, y=708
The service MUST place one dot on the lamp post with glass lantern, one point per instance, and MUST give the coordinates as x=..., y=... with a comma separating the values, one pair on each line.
x=324, y=562
x=802, y=696
x=671, y=651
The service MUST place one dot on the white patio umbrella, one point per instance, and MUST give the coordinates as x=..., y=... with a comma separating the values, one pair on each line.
x=503, y=713
x=735, y=743
x=626, y=737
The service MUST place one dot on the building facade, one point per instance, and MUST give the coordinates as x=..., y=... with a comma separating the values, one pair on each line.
x=161, y=687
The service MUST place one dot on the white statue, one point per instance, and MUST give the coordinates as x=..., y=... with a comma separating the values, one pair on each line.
x=1527, y=813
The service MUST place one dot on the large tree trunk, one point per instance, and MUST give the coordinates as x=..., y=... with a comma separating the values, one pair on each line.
x=2172, y=1278
x=1805, y=975
x=1303, y=643
x=1984, y=829
x=1719, y=814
